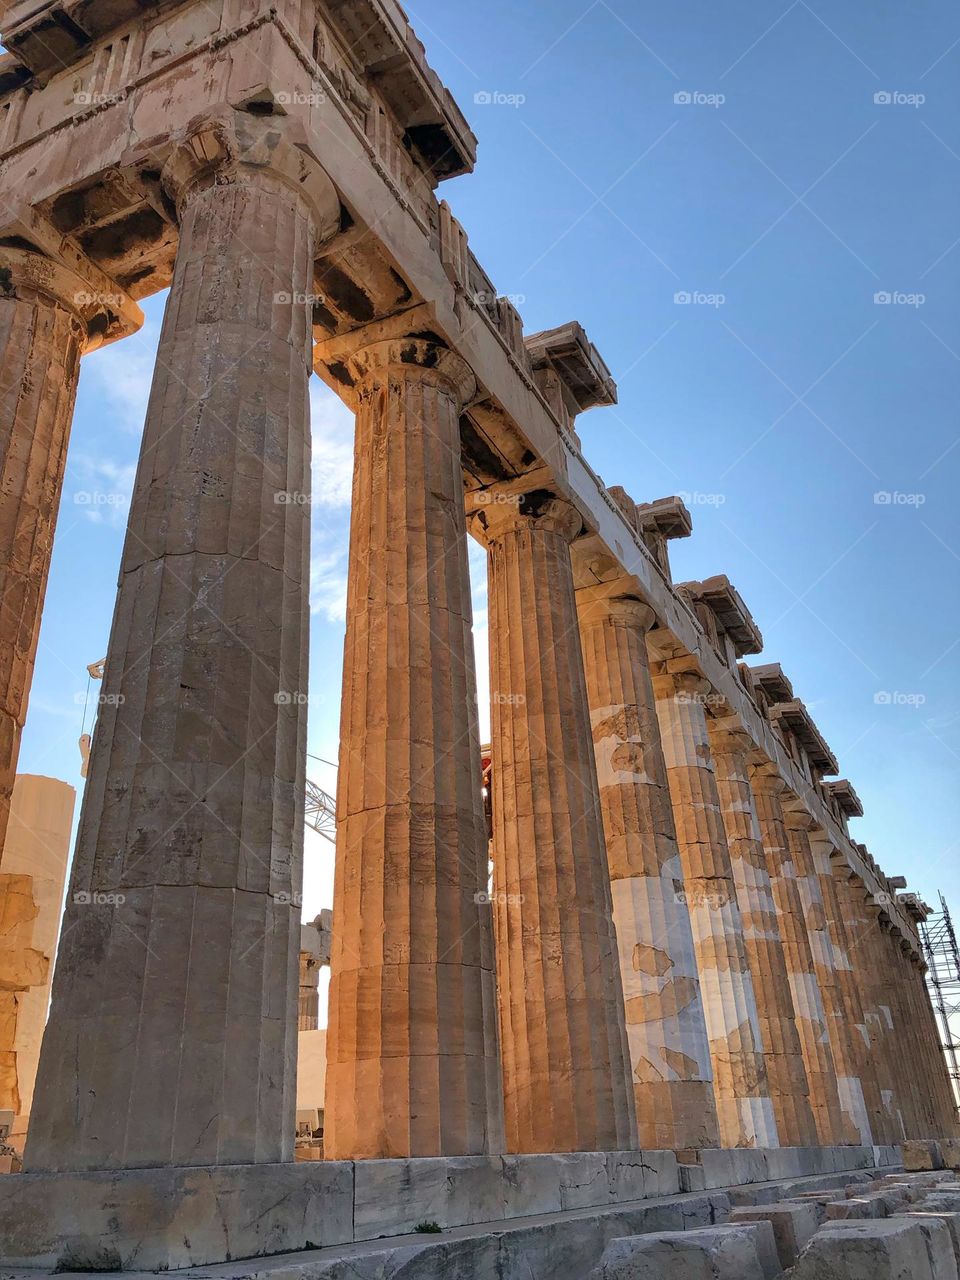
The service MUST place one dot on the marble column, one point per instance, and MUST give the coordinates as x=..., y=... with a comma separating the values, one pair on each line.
x=669, y=1048
x=846, y=1059
x=850, y=988
x=789, y=1090
x=768, y=787
x=43, y=332
x=886, y=1052
x=944, y=1100
x=412, y=1066
x=741, y=1084
x=566, y=1062
x=172, y=1037
x=906, y=1041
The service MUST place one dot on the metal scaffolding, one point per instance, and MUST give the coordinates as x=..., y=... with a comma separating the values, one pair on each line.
x=943, y=979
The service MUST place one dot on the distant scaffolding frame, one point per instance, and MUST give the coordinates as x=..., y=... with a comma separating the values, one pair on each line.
x=943, y=978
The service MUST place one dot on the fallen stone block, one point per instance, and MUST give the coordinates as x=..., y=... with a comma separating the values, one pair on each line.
x=861, y=1209
x=794, y=1225
x=941, y=1200
x=899, y=1248
x=921, y=1155
x=713, y=1253
x=951, y=1219
x=950, y=1152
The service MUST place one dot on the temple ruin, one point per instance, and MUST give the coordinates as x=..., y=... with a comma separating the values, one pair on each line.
x=687, y=983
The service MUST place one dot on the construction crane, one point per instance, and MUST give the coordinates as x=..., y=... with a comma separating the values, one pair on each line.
x=943, y=979
x=320, y=808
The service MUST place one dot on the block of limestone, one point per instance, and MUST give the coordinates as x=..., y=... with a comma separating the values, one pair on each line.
x=950, y=1152
x=902, y=1248
x=742, y=1251
x=951, y=1219
x=794, y=1226
x=922, y=1155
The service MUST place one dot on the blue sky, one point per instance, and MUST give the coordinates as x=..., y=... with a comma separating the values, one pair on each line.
x=782, y=197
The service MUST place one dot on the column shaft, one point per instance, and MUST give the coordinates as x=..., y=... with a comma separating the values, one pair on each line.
x=669, y=1048
x=172, y=1037
x=850, y=990
x=566, y=1063
x=807, y=1000
x=789, y=1090
x=41, y=340
x=741, y=1085
x=411, y=1046
x=846, y=1060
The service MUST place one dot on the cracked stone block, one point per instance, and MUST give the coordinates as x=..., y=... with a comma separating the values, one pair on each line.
x=895, y=1249
x=794, y=1225
x=713, y=1253
x=950, y=1152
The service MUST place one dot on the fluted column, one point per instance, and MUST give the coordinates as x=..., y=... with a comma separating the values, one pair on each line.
x=850, y=989
x=887, y=1048
x=566, y=1063
x=925, y=1047
x=767, y=787
x=741, y=1084
x=944, y=1100
x=412, y=1064
x=172, y=1037
x=45, y=321
x=669, y=1048
x=906, y=1042
x=789, y=1090
x=856, y=1120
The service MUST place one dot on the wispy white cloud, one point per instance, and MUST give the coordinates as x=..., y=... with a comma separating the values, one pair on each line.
x=333, y=430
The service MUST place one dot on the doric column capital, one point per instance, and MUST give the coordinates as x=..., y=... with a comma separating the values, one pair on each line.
x=413, y=357
x=682, y=686
x=540, y=511
x=799, y=820
x=611, y=602
x=24, y=274
x=729, y=739
x=232, y=147
x=765, y=777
